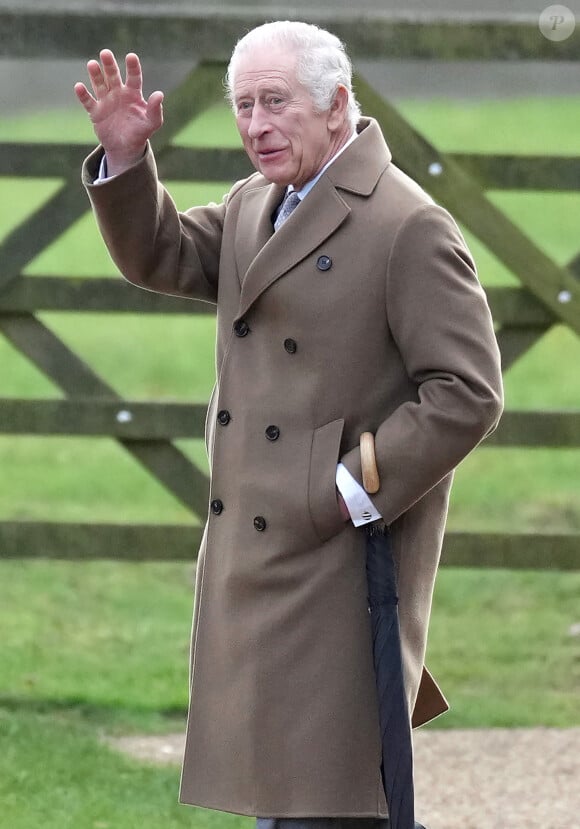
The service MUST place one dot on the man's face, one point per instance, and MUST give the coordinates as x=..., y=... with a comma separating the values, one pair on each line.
x=285, y=138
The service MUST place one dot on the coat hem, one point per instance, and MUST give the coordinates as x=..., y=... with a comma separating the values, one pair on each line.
x=247, y=811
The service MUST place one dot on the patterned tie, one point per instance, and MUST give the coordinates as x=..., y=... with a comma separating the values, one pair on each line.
x=290, y=203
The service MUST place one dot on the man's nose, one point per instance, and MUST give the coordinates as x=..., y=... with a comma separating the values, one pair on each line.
x=259, y=123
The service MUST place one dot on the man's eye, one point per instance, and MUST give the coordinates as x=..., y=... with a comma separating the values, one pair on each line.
x=244, y=106
x=275, y=102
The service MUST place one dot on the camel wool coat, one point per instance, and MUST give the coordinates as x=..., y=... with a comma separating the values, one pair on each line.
x=363, y=312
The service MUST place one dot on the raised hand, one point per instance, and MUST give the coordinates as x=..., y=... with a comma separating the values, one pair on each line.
x=122, y=119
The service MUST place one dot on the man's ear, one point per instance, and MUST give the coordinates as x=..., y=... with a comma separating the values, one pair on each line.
x=338, y=107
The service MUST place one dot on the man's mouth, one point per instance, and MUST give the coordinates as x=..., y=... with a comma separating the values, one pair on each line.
x=269, y=154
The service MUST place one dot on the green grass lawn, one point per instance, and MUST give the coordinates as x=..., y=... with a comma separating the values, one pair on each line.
x=101, y=648
x=55, y=774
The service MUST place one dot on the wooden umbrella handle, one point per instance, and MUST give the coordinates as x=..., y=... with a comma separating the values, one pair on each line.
x=370, y=473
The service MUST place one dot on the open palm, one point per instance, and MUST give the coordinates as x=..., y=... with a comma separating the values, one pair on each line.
x=122, y=118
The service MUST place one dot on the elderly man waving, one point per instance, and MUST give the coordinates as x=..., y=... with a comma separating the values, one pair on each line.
x=347, y=304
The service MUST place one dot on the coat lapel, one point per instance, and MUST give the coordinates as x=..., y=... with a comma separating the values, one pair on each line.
x=313, y=221
x=254, y=227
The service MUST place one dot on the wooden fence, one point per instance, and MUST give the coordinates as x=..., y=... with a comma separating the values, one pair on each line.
x=549, y=294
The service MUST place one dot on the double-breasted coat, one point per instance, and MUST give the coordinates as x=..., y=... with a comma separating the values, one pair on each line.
x=363, y=312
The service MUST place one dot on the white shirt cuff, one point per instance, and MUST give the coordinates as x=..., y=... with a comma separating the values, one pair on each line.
x=360, y=507
x=103, y=173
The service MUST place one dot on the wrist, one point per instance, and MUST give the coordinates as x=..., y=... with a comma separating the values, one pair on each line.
x=118, y=163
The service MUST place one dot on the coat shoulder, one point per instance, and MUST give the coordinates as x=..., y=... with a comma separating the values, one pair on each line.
x=398, y=189
x=253, y=182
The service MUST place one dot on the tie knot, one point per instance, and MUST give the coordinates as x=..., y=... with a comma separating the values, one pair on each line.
x=290, y=203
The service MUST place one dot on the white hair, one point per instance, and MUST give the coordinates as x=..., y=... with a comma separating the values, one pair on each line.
x=322, y=62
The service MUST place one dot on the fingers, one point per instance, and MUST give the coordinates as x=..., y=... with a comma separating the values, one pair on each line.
x=97, y=79
x=133, y=74
x=111, y=73
x=85, y=97
x=105, y=76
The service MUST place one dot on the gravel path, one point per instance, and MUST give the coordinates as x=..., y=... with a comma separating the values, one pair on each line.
x=468, y=779
x=499, y=778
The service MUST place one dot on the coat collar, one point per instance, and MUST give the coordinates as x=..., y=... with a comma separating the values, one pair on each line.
x=359, y=167
x=263, y=256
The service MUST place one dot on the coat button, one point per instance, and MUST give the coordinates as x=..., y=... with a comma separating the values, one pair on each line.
x=324, y=263
x=217, y=506
x=224, y=417
x=241, y=328
x=259, y=523
x=272, y=433
x=290, y=345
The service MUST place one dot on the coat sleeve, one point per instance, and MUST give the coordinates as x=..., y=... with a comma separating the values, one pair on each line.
x=154, y=245
x=442, y=326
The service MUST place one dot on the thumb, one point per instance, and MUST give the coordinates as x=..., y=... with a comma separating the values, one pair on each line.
x=155, y=109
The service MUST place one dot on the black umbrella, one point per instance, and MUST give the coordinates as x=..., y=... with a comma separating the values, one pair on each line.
x=397, y=765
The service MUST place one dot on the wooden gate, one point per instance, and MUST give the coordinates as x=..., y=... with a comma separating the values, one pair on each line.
x=549, y=294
